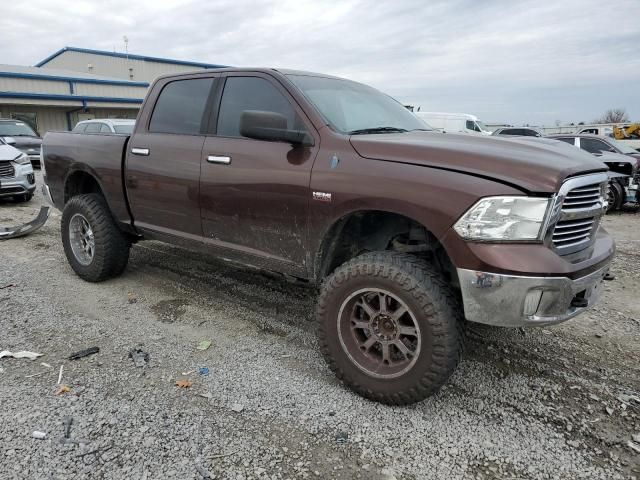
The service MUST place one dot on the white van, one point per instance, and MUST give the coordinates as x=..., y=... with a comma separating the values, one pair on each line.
x=454, y=122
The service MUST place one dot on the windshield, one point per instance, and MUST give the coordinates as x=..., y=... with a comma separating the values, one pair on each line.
x=126, y=129
x=16, y=129
x=620, y=145
x=350, y=107
x=482, y=126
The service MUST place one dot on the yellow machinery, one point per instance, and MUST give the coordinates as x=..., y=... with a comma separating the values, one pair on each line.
x=630, y=131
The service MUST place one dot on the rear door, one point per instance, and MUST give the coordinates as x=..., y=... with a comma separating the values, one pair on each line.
x=163, y=158
x=254, y=193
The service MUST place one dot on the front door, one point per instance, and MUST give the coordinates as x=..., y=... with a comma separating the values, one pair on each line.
x=163, y=160
x=255, y=194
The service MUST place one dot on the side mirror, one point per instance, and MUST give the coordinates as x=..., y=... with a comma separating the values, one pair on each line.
x=271, y=126
x=9, y=140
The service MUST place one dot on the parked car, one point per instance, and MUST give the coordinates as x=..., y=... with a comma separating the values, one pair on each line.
x=454, y=122
x=22, y=137
x=405, y=231
x=517, y=131
x=613, y=153
x=17, y=179
x=106, y=126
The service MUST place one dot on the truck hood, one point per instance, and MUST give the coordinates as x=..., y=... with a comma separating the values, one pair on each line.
x=535, y=165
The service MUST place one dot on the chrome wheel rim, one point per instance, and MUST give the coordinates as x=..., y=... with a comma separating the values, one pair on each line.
x=379, y=333
x=81, y=238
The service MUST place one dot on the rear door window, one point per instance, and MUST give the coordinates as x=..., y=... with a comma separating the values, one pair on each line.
x=181, y=106
x=80, y=128
x=569, y=140
x=104, y=128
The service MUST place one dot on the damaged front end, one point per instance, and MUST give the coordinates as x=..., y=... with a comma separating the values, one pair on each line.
x=27, y=228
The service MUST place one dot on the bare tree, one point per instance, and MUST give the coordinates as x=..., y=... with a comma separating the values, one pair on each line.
x=614, y=115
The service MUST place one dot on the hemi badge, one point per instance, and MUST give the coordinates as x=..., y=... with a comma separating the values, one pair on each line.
x=322, y=196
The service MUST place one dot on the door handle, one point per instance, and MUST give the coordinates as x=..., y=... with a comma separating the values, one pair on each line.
x=223, y=159
x=140, y=151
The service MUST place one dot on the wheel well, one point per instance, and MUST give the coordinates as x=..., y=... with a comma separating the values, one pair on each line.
x=80, y=183
x=369, y=231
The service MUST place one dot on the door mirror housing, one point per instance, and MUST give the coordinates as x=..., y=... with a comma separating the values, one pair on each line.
x=9, y=140
x=271, y=126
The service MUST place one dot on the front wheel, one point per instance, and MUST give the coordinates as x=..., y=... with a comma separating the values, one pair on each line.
x=94, y=245
x=615, y=196
x=390, y=327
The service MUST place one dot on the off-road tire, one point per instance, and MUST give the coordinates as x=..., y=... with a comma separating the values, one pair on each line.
x=432, y=301
x=111, y=244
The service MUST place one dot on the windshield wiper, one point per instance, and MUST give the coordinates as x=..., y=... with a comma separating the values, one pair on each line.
x=364, y=131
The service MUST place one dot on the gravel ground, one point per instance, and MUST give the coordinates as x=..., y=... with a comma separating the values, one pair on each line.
x=535, y=404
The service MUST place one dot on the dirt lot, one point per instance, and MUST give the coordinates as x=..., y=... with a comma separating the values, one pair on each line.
x=560, y=402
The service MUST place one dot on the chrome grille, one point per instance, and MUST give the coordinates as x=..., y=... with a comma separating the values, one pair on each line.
x=583, y=197
x=576, y=212
x=7, y=170
x=571, y=232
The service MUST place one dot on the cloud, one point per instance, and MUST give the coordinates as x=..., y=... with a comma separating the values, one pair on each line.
x=525, y=61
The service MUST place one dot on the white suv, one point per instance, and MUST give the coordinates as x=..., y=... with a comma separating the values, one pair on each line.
x=106, y=126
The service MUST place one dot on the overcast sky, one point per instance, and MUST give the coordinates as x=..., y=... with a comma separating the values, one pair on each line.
x=513, y=61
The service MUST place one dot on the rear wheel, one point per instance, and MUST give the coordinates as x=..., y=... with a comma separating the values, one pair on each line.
x=94, y=245
x=389, y=327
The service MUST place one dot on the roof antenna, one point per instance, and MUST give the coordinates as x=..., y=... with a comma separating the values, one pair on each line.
x=126, y=45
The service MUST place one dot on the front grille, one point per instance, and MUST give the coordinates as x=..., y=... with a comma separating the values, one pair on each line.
x=576, y=213
x=583, y=197
x=572, y=232
x=7, y=170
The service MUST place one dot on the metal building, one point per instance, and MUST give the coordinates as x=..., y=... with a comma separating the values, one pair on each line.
x=77, y=84
x=120, y=65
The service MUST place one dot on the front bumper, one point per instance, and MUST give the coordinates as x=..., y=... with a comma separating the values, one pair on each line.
x=518, y=301
x=22, y=183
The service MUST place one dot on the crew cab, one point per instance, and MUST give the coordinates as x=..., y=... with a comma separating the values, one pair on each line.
x=406, y=232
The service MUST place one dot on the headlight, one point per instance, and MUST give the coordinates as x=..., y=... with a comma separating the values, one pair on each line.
x=22, y=159
x=504, y=219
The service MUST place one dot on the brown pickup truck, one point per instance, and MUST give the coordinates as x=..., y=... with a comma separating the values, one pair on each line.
x=406, y=232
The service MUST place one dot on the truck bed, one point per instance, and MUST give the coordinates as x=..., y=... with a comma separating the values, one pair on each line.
x=69, y=153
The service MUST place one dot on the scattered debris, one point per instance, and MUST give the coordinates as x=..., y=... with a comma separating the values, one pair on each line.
x=60, y=374
x=27, y=228
x=221, y=455
x=204, y=371
x=342, y=438
x=204, y=344
x=204, y=473
x=237, y=408
x=634, y=446
x=22, y=354
x=285, y=356
x=627, y=398
x=39, y=435
x=36, y=374
x=609, y=410
x=188, y=373
x=62, y=389
x=206, y=395
x=132, y=298
x=139, y=357
x=183, y=383
x=46, y=365
x=11, y=285
x=67, y=421
x=97, y=450
x=598, y=335
x=84, y=353
x=636, y=437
